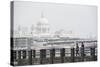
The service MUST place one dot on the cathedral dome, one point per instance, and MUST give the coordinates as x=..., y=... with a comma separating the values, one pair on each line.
x=43, y=20
x=42, y=25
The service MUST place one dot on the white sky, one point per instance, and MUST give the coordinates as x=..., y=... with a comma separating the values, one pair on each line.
x=78, y=18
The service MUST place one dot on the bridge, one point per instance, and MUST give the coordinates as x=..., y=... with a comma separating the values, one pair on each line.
x=55, y=52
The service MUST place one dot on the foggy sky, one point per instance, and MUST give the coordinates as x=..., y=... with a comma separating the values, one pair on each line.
x=78, y=18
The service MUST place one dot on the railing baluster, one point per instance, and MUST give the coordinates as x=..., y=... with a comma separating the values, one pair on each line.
x=52, y=55
x=33, y=54
x=30, y=57
x=42, y=55
x=19, y=57
x=72, y=54
x=82, y=52
x=62, y=54
x=92, y=54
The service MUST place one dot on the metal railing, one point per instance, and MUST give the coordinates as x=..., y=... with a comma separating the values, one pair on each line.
x=51, y=56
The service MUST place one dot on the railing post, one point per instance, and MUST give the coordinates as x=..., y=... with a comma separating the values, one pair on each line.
x=62, y=54
x=52, y=55
x=72, y=54
x=30, y=57
x=19, y=57
x=24, y=54
x=14, y=57
x=92, y=54
x=42, y=55
x=82, y=51
x=33, y=52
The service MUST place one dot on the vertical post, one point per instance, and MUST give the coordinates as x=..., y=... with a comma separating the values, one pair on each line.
x=28, y=44
x=24, y=54
x=30, y=57
x=42, y=55
x=82, y=51
x=27, y=56
x=62, y=54
x=33, y=55
x=19, y=57
x=52, y=55
x=13, y=56
x=72, y=54
x=92, y=54
x=19, y=54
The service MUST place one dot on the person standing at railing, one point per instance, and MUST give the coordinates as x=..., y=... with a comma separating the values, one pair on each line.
x=77, y=49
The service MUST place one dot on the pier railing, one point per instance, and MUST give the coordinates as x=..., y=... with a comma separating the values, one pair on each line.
x=54, y=55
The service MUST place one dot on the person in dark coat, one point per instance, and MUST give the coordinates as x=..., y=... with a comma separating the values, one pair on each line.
x=77, y=49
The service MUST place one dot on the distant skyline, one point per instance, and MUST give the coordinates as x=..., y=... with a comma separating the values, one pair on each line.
x=77, y=18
